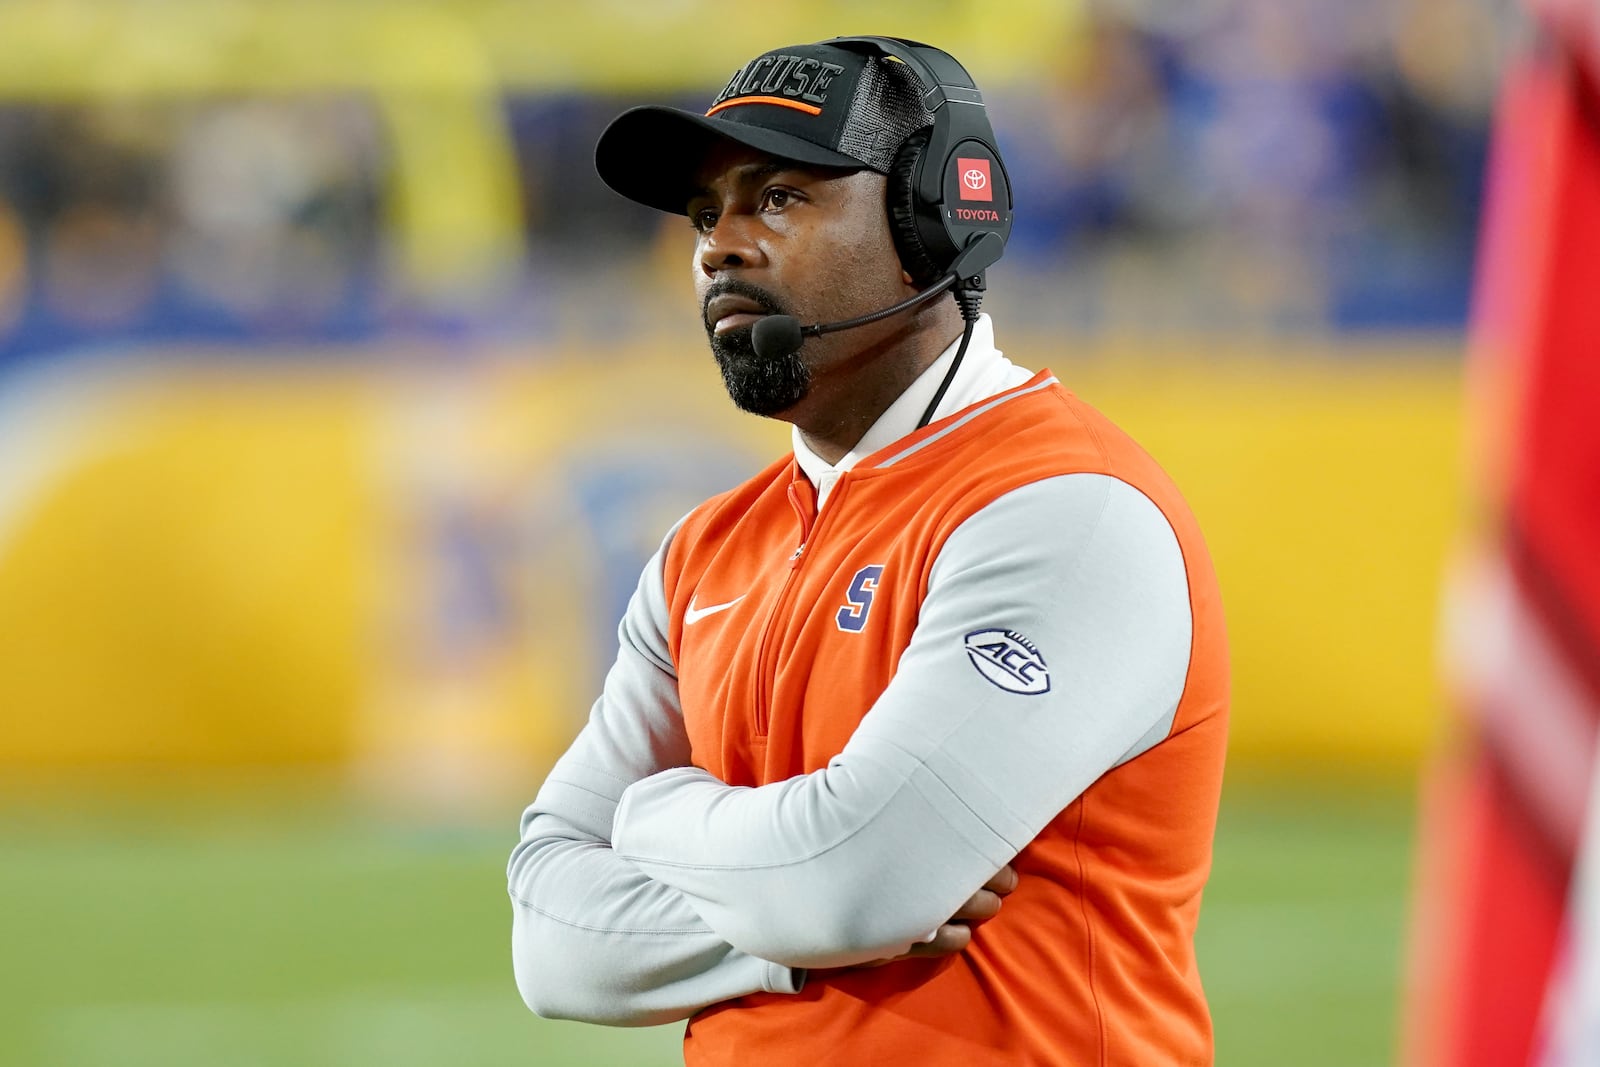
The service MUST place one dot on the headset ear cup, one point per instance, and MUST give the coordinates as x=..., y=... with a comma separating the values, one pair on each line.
x=915, y=256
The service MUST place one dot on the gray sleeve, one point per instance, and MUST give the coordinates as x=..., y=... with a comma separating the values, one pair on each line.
x=593, y=937
x=1053, y=645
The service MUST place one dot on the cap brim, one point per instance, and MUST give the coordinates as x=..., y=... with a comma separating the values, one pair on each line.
x=651, y=153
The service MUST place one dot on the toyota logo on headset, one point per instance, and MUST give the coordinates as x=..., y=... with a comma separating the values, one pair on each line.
x=974, y=178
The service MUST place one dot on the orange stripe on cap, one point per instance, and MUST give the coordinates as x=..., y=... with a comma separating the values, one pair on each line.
x=779, y=101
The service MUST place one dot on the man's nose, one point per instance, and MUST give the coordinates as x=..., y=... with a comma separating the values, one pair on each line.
x=732, y=242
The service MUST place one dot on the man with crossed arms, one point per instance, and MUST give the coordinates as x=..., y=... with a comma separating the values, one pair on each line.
x=912, y=748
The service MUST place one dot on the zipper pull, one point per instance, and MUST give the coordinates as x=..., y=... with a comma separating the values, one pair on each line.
x=794, y=557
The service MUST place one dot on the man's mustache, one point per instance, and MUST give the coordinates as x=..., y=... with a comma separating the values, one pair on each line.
x=768, y=303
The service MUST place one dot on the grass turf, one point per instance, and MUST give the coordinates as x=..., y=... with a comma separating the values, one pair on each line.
x=202, y=929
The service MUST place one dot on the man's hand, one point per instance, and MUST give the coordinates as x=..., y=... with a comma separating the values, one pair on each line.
x=955, y=933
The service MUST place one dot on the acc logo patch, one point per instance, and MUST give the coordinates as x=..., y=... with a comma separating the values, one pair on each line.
x=1009, y=660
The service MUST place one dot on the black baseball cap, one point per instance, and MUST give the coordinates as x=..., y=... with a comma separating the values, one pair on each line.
x=817, y=104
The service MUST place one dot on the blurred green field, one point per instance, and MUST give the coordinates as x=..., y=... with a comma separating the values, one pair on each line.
x=259, y=929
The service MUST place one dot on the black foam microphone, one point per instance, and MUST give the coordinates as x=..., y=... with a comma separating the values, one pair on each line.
x=775, y=336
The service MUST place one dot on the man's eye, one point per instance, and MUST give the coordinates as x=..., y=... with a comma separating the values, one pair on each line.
x=704, y=220
x=776, y=199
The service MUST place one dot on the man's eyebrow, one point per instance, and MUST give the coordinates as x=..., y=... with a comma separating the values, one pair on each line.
x=752, y=173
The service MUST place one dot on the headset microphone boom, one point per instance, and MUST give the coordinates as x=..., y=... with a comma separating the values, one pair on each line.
x=776, y=336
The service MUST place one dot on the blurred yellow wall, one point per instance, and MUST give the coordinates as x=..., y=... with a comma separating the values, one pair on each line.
x=267, y=565
x=184, y=567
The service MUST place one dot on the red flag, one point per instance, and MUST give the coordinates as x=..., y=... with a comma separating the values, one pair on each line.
x=1508, y=803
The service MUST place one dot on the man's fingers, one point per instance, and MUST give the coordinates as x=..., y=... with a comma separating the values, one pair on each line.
x=1004, y=880
x=956, y=933
x=985, y=903
x=951, y=938
x=980, y=906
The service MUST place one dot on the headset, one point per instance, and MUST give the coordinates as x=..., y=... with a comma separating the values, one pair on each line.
x=948, y=186
x=949, y=203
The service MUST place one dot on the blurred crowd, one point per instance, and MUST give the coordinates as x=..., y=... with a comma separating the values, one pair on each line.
x=162, y=221
x=1277, y=165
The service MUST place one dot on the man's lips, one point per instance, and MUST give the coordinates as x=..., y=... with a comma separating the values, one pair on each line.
x=730, y=311
x=736, y=320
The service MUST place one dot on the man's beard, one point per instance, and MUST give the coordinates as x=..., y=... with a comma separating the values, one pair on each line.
x=757, y=384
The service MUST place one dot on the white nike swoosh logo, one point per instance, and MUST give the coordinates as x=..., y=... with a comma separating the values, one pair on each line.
x=694, y=614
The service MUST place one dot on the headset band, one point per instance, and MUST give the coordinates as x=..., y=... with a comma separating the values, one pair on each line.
x=937, y=68
x=946, y=82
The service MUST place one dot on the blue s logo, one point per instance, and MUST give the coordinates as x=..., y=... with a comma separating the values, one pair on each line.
x=852, y=618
